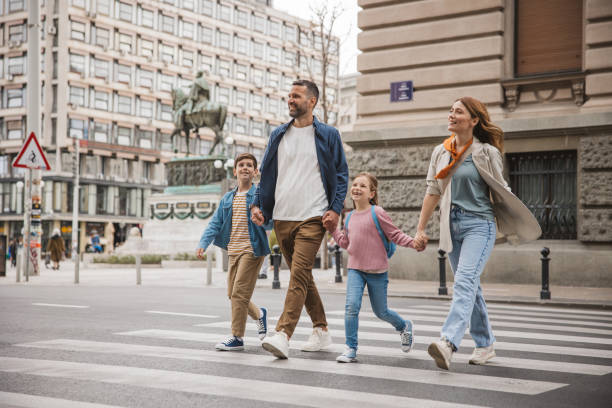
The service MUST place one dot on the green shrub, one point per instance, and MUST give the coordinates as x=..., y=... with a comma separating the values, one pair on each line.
x=186, y=256
x=148, y=259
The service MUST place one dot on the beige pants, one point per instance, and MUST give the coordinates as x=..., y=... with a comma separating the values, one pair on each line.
x=300, y=242
x=241, y=280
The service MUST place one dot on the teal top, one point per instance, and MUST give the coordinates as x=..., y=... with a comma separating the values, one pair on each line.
x=470, y=192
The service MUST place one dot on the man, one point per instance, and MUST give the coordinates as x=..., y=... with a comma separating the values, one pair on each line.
x=304, y=178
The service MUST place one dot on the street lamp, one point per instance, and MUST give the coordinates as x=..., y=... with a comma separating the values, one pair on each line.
x=218, y=164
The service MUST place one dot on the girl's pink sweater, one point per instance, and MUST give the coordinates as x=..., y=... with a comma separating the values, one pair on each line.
x=365, y=247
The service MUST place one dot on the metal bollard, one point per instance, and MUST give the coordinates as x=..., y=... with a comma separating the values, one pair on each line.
x=209, y=268
x=442, y=290
x=545, y=292
x=276, y=262
x=138, y=274
x=338, y=254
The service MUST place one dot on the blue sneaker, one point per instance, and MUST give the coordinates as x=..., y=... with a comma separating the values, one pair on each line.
x=262, y=324
x=232, y=343
x=407, y=336
x=349, y=356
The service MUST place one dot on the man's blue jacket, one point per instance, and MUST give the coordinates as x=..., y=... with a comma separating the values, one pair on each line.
x=332, y=162
x=219, y=228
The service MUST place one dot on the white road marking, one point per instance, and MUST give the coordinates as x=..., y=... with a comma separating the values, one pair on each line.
x=182, y=314
x=58, y=305
x=13, y=399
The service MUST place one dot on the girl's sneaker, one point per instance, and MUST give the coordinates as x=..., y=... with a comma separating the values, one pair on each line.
x=349, y=356
x=407, y=336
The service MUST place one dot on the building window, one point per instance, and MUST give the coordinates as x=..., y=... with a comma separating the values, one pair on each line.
x=242, y=18
x=207, y=7
x=145, y=78
x=77, y=64
x=275, y=29
x=258, y=50
x=188, y=4
x=225, y=40
x=241, y=72
x=14, y=129
x=124, y=136
x=16, y=66
x=124, y=11
x=166, y=142
x=166, y=82
x=146, y=48
x=77, y=96
x=242, y=45
x=166, y=52
x=101, y=132
x=78, y=3
x=124, y=104
x=188, y=30
x=165, y=112
x=257, y=102
x=100, y=100
x=241, y=99
x=187, y=58
x=546, y=183
x=76, y=129
x=125, y=42
x=145, y=139
x=225, y=13
x=206, y=63
x=223, y=95
x=17, y=33
x=146, y=18
x=206, y=35
x=102, y=37
x=259, y=23
x=100, y=68
x=146, y=108
x=290, y=34
x=273, y=105
x=290, y=59
x=167, y=23
x=224, y=68
x=257, y=129
x=101, y=199
x=240, y=126
x=273, y=55
x=273, y=80
x=16, y=5
x=258, y=77
x=15, y=98
x=77, y=31
x=548, y=39
x=103, y=7
x=124, y=73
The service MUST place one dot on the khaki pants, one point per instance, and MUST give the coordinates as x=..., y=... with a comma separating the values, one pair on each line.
x=241, y=280
x=299, y=242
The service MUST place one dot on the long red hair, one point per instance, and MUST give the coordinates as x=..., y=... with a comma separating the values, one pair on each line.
x=485, y=130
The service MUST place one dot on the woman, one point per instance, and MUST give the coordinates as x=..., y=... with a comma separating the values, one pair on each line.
x=56, y=248
x=465, y=177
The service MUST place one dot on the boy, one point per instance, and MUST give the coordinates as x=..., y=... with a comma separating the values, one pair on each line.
x=246, y=245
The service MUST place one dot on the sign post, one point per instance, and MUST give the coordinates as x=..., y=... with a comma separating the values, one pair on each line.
x=32, y=158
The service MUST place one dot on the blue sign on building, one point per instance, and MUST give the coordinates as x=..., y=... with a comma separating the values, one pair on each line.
x=401, y=91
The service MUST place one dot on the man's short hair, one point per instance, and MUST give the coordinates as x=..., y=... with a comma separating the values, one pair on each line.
x=245, y=156
x=312, y=88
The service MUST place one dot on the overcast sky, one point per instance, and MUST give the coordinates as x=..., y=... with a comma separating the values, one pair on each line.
x=345, y=27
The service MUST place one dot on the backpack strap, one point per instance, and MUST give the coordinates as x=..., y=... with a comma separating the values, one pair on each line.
x=348, y=217
x=380, y=231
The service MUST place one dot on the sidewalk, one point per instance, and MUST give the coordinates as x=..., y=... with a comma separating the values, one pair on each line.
x=97, y=275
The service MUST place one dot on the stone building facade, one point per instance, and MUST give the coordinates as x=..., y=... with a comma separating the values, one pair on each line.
x=544, y=70
x=108, y=67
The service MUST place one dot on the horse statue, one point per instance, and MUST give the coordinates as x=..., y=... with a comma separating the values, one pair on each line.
x=195, y=110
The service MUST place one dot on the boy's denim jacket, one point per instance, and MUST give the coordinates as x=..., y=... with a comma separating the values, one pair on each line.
x=219, y=228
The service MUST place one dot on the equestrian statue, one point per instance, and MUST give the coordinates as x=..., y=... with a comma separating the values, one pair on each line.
x=195, y=110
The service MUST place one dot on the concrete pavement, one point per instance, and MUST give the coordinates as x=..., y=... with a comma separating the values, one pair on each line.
x=115, y=275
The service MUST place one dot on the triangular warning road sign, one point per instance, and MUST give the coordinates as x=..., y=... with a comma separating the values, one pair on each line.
x=31, y=155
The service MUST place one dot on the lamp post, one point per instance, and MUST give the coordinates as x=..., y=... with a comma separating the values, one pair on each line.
x=19, y=186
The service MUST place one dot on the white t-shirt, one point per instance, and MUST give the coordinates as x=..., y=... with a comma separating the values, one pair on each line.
x=299, y=189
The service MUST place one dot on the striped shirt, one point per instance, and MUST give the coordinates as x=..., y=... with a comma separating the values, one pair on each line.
x=240, y=240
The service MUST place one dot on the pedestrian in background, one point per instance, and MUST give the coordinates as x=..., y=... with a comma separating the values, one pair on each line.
x=56, y=248
x=367, y=243
x=304, y=175
x=466, y=177
x=247, y=245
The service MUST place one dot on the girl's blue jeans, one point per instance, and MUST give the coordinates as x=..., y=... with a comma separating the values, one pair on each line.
x=377, y=290
x=473, y=238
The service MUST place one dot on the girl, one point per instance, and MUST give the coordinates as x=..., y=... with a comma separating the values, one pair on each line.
x=368, y=263
x=466, y=172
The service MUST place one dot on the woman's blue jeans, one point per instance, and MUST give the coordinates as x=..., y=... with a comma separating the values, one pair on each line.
x=473, y=238
x=377, y=290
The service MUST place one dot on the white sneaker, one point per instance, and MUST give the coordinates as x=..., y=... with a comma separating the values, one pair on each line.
x=318, y=340
x=442, y=352
x=481, y=355
x=277, y=345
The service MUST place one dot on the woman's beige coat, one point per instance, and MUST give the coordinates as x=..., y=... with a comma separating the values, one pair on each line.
x=515, y=223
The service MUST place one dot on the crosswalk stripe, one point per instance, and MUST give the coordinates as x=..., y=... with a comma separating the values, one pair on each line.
x=488, y=383
x=520, y=363
x=498, y=333
x=257, y=390
x=181, y=314
x=520, y=317
x=495, y=318
x=13, y=399
x=526, y=313
x=58, y=305
x=560, y=310
x=499, y=345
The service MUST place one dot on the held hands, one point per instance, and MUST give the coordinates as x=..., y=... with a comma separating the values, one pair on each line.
x=257, y=216
x=420, y=241
x=330, y=220
x=200, y=253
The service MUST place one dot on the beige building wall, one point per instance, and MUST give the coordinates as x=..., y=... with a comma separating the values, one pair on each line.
x=451, y=49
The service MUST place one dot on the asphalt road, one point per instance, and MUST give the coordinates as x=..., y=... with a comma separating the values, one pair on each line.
x=154, y=347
